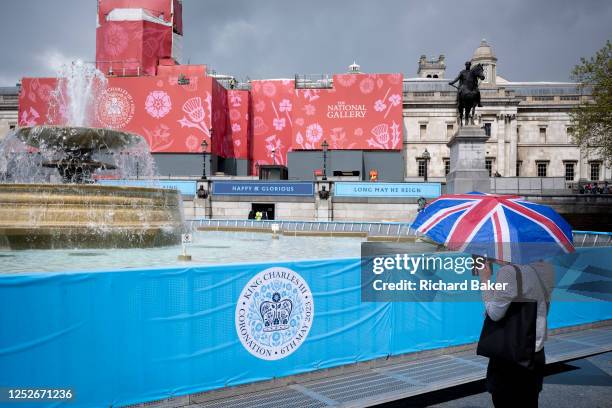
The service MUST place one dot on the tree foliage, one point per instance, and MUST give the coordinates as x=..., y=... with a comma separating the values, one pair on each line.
x=592, y=121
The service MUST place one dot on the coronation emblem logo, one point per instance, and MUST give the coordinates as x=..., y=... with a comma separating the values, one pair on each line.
x=115, y=108
x=274, y=313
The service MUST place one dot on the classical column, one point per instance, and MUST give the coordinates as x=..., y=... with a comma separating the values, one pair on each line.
x=501, y=144
x=513, y=145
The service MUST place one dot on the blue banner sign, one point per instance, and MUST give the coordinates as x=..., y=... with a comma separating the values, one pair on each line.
x=185, y=187
x=263, y=188
x=154, y=333
x=407, y=190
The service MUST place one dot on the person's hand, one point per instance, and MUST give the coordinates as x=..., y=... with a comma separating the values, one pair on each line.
x=486, y=272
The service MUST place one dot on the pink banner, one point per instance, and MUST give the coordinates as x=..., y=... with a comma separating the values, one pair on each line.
x=171, y=117
x=132, y=48
x=220, y=121
x=239, y=132
x=272, y=122
x=362, y=111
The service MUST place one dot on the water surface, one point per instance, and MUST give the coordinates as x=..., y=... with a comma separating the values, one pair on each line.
x=208, y=247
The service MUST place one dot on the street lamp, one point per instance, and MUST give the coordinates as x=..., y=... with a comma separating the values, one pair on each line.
x=204, y=147
x=426, y=156
x=324, y=145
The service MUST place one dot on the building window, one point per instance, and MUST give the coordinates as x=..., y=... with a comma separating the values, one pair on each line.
x=422, y=163
x=446, y=166
x=423, y=131
x=542, y=167
x=12, y=127
x=542, y=135
x=489, y=166
x=543, y=98
x=595, y=170
x=449, y=131
x=519, y=163
x=569, y=172
x=487, y=129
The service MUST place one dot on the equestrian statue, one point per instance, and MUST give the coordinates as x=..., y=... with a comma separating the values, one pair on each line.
x=468, y=94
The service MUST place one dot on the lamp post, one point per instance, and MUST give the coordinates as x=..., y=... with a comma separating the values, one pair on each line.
x=426, y=156
x=204, y=146
x=325, y=146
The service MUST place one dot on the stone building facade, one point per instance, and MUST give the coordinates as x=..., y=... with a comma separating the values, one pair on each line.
x=9, y=103
x=528, y=122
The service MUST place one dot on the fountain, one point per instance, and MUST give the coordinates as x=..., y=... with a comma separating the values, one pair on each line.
x=49, y=197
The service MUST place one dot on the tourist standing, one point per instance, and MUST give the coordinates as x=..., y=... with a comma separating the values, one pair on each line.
x=512, y=383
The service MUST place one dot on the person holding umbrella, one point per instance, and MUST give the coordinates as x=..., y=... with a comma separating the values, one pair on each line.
x=518, y=236
x=512, y=383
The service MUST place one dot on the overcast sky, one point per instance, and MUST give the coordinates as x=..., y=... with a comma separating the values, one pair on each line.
x=534, y=40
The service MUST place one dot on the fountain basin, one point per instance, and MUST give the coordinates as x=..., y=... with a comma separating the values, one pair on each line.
x=44, y=216
x=67, y=138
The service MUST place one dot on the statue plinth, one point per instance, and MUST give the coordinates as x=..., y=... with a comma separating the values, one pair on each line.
x=467, y=161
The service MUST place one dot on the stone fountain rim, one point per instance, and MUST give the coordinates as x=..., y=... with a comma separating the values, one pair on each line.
x=92, y=186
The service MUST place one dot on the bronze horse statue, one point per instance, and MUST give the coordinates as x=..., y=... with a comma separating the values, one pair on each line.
x=468, y=94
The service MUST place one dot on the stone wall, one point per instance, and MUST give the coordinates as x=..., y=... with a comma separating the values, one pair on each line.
x=304, y=208
x=373, y=209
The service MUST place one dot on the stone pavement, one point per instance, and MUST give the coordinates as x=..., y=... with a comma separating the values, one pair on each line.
x=583, y=383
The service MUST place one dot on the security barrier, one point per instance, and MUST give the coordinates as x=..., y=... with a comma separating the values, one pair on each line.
x=390, y=229
x=123, y=337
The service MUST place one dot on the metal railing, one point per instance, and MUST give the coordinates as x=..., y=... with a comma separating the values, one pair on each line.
x=387, y=229
x=314, y=81
x=120, y=68
x=592, y=238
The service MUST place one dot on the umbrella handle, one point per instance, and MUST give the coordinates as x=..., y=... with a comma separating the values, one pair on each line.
x=476, y=258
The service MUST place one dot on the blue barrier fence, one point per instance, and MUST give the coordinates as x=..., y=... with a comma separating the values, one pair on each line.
x=185, y=187
x=123, y=337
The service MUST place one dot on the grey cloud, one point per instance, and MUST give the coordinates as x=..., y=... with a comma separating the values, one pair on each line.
x=533, y=40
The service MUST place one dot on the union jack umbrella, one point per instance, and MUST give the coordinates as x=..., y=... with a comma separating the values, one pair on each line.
x=503, y=227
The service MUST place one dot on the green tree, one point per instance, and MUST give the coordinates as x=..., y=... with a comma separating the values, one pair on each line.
x=592, y=121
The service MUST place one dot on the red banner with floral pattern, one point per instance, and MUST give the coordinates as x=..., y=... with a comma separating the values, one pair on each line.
x=171, y=117
x=272, y=122
x=238, y=135
x=132, y=47
x=361, y=111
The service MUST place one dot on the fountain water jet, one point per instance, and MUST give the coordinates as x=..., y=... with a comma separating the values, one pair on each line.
x=36, y=211
x=73, y=98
